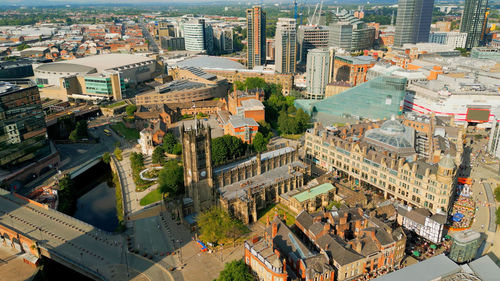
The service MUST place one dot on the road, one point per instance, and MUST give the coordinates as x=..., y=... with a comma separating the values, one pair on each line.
x=145, y=32
x=75, y=240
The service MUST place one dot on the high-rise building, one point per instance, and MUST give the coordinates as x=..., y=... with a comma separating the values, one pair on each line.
x=223, y=39
x=312, y=37
x=208, y=34
x=22, y=127
x=413, y=21
x=350, y=33
x=256, y=37
x=473, y=21
x=319, y=70
x=194, y=35
x=286, y=45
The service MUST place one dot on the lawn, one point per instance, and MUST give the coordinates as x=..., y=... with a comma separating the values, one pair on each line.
x=292, y=136
x=152, y=197
x=129, y=134
x=116, y=104
x=281, y=210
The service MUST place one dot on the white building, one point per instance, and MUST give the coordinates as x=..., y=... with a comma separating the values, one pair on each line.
x=146, y=141
x=286, y=45
x=422, y=222
x=194, y=35
x=318, y=72
x=494, y=141
x=453, y=39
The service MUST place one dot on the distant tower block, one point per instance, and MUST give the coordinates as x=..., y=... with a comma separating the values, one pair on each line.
x=197, y=155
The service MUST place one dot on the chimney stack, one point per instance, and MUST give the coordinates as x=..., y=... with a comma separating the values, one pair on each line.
x=274, y=230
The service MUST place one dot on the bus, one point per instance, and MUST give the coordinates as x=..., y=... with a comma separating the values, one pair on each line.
x=107, y=132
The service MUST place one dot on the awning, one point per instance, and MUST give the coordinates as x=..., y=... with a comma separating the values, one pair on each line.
x=433, y=246
x=416, y=253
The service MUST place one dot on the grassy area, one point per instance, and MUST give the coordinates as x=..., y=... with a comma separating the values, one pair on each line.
x=129, y=134
x=333, y=203
x=280, y=209
x=119, y=202
x=152, y=197
x=116, y=104
x=292, y=136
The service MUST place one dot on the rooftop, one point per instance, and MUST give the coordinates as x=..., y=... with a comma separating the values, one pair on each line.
x=66, y=67
x=466, y=235
x=178, y=85
x=239, y=189
x=313, y=192
x=210, y=62
x=431, y=269
x=108, y=61
x=238, y=121
x=485, y=268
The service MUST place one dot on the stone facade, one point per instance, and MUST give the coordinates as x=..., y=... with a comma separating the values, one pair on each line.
x=241, y=187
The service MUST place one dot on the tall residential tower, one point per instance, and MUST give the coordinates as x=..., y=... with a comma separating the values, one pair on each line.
x=413, y=21
x=473, y=21
x=256, y=37
x=286, y=45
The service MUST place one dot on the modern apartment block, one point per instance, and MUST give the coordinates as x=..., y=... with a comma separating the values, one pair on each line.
x=24, y=148
x=473, y=21
x=223, y=39
x=351, y=33
x=454, y=39
x=256, y=37
x=383, y=157
x=312, y=37
x=319, y=71
x=286, y=45
x=413, y=21
x=194, y=35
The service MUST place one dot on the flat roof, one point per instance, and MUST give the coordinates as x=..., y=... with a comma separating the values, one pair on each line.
x=108, y=61
x=238, y=121
x=431, y=269
x=210, y=62
x=313, y=192
x=66, y=67
x=485, y=268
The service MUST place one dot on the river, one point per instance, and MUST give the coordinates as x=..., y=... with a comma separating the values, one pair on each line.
x=97, y=206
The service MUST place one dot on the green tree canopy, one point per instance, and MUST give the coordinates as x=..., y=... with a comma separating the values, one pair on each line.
x=497, y=193
x=158, y=156
x=171, y=178
x=235, y=270
x=136, y=161
x=169, y=142
x=216, y=225
x=106, y=157
x=259, y=142
x=131, y=109
x=67, y=196
x=118, y=154
x=226, y=148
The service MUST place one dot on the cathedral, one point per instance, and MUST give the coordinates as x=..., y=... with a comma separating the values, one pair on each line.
x=242, y=187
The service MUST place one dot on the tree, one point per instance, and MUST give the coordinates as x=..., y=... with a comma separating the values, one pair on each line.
x=226, y=148
x=177, y=149
x=81, y=129
x=171, y=178
x=22, y=47
x=497, y=193
x=235, y=270
x=66, y=195
x=497, y=213
x=217, y=226
x=259, y=142
x=131, y=109
x=169, y=142
x=158, y=156
x=118, y=154
x=302, y=119
x=73, y=136
x=106, y=157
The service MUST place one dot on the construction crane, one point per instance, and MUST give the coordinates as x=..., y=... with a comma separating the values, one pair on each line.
x=296, y=10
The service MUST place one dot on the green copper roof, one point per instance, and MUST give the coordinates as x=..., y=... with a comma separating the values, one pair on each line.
x=313, y=192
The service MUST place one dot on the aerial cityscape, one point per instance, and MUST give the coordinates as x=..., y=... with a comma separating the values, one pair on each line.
x=273, y=140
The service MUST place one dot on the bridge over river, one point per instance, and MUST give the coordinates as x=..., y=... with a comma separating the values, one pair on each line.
x=76, y=244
